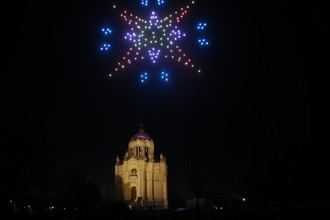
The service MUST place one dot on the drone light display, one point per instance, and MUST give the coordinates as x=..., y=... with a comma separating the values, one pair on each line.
x=154, y=38
x=203, y=42
x=201, y=26
x=164, y=76
x=106, y=31
x=144, y=77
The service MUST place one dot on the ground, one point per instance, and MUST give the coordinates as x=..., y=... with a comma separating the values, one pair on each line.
x=311, y=213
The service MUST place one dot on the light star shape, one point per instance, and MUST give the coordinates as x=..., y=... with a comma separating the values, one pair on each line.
x=155, y=38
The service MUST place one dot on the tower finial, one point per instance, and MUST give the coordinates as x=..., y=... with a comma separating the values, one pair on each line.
x=141, y=127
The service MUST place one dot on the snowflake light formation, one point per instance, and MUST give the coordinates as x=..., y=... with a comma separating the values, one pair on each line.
x=155, y=38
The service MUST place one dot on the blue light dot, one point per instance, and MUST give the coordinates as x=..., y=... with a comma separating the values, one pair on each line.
x=201, y=26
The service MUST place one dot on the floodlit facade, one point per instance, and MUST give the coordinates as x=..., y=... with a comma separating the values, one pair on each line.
x=140, y=179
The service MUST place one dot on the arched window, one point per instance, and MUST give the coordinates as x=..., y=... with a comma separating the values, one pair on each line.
x=133, y=172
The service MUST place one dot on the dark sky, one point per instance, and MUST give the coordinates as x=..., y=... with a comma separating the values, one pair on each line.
x=243, y=126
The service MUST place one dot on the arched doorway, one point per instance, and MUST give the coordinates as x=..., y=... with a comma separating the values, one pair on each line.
x=133, y=193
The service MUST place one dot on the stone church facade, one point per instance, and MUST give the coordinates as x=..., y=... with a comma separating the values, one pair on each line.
x=141, y=179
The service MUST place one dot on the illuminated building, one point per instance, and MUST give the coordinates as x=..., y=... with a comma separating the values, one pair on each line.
x=141, y=179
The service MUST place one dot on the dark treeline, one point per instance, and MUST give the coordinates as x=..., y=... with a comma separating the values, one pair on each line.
x=32, y=182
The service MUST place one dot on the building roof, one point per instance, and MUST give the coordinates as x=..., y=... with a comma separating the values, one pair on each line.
x=141, y=135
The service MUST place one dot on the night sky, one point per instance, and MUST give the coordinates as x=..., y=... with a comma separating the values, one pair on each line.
x=243, y=126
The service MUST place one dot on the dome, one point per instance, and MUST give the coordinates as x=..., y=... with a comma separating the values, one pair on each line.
x=141, y=135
